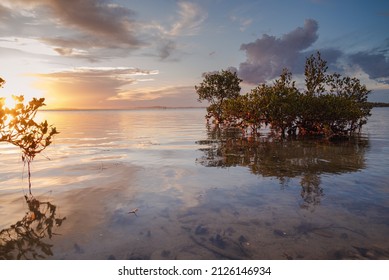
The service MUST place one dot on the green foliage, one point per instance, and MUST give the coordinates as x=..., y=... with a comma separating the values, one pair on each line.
x=329, y=106
x=243, y=112
x=18, y=127
x=217, y=88
x=315, y=75
x=332, y=105
x=280, y=103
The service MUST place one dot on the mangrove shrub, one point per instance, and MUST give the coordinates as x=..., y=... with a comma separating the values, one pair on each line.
x=329, y=105
x=18, y=127
x=216, y=88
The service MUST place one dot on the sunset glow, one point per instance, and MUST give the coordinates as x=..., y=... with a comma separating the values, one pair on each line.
x=141, y=58
x=19, y=85
x=233, y=133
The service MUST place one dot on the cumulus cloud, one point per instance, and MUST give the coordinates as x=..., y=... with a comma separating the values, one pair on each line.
x=267, y=56
x=376, y=65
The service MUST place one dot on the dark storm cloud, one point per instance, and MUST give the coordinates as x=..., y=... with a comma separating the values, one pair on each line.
x=267, y=56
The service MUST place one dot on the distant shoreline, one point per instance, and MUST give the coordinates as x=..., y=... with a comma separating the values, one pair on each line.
x=374, y=104
x=123, y=109
x=379, y=104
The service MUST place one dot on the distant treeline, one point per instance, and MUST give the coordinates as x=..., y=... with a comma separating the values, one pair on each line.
x=330, y=105
x=379, y=104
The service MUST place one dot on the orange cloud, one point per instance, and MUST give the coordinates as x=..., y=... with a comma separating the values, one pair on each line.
x=87, y=87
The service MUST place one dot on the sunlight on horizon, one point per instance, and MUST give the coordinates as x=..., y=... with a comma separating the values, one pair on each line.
x=16, y=85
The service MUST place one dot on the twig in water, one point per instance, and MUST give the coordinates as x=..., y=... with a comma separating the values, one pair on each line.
x=134, y=211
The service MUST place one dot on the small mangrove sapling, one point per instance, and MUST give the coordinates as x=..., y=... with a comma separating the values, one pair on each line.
x=18, y=127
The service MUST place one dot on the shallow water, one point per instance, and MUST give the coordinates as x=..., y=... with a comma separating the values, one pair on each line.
x=197, y=194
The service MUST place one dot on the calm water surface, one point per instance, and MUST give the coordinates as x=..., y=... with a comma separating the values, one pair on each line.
x=157, y=184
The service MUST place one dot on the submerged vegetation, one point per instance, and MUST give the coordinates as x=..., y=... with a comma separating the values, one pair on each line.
x=329, y=106
x=18, y=127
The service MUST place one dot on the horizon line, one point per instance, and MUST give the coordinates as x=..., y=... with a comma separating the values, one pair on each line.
x=124, y=109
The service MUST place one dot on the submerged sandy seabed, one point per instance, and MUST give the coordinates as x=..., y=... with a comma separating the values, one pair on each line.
x=178, y=217
x=198, y=196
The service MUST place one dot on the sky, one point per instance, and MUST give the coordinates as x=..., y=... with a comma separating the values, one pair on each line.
x=118, y=54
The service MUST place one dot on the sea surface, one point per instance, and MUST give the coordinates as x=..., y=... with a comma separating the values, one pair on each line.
x=160, y=184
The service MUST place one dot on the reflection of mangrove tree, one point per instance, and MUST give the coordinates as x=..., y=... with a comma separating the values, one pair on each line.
x=307, y=159
x=27, y=238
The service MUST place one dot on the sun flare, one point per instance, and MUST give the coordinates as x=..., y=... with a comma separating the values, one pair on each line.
x=15, y=87
x=9, y=102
